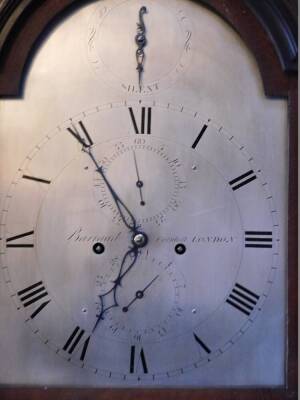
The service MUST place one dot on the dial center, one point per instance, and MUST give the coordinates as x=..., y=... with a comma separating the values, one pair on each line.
x=140, y=239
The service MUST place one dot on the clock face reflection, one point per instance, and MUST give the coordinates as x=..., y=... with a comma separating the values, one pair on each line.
x=150, y=229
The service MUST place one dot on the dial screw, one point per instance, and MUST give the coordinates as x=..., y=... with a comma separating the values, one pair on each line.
x=194, y=167
x=180, y=248
x=140, y=239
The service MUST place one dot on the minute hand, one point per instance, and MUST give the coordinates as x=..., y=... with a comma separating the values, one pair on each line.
x=87, y=144
x=123, y=210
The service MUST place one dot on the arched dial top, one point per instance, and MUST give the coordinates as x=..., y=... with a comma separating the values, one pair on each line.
x=16, y=35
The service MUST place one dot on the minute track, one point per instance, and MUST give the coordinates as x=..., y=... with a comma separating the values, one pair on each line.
x=157, y=319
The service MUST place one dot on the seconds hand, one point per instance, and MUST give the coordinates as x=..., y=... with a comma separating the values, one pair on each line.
x=139, y=183
x=139, y=294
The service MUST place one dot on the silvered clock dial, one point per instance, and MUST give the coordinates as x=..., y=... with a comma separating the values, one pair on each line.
x=143, y=205
x=139, y=243
x=132, y=66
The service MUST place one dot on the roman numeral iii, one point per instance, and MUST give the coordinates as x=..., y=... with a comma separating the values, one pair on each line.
x=258, y=239
x=242, y=299
x=146, y=117
x=75, y=340
x=16, y=238
x=142, y=358
x=242, y=180
x=81, y=134
x=33, y=294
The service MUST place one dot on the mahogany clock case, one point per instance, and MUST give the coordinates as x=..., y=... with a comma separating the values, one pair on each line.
x=24, y=23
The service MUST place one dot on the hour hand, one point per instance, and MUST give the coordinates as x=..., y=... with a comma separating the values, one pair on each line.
x=141, y=41
x=139, y=182
x=108, y=300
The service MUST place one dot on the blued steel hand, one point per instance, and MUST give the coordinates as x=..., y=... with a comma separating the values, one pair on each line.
x=139, y=183
x=122, y=208
x=141, y=41
x=139, y=294
x=139, y=239
x=132, y=226
x=117, y=282
x=87, y=144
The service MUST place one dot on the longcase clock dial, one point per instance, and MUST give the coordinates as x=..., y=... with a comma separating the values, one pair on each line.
x=139, y=240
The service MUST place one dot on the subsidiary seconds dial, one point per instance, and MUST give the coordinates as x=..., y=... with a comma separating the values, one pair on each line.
x=151, y=305
x=150, y=219
x=144, y=165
